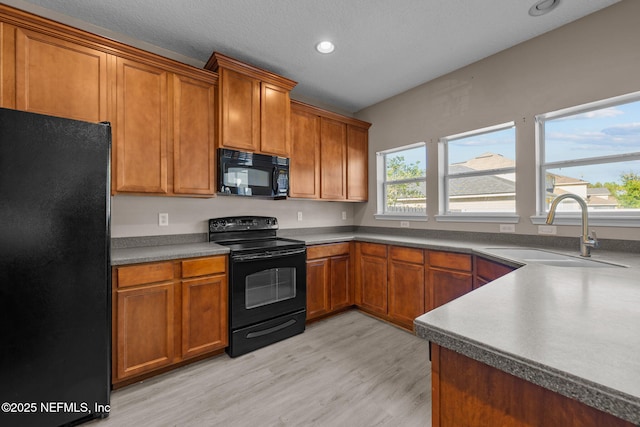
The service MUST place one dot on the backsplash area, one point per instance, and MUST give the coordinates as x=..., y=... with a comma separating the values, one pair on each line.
x=138, y=215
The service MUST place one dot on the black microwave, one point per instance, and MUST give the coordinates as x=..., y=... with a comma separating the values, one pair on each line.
x=250, y=174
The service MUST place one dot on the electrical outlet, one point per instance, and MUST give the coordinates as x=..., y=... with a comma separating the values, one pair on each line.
x=299, y=216
x=163, y=219
x=344, y=215
x=507, y=228
x=404, y=224
x=547, y=229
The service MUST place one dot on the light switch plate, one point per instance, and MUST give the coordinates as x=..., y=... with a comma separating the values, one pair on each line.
x=299, y=216
x=507, y=228
x=547, y=229
x=404, y=224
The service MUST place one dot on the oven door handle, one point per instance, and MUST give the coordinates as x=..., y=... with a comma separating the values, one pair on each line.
x=267, y=255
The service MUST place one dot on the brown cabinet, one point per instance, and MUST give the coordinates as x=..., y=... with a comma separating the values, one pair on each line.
x=328, y=279
x=254, y=107
x=466, y=392
x=357, y=163
x=406, y=284
x=371, y=291
x=149, y=102
x=329, y=155
x=449, y=276
x=54, y=76
x=488, y=271
x=161, y=111
x=167, y=312
x=204, y=306
x=193, y=136
x=141, y=128
x=304, y=174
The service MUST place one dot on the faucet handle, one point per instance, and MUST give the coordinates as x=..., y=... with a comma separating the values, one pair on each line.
x=594, y=239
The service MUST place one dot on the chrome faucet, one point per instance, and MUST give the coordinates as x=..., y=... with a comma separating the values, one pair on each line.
x=586, y=241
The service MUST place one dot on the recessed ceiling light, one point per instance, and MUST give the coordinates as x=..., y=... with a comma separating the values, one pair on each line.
x=543, y=6
x=325, y=47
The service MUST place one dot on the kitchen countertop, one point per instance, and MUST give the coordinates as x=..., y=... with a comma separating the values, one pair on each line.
x=573, y=330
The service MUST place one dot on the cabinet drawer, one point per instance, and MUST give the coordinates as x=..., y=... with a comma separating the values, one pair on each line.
x=490, y=270
x=325, y=251
x=412, y=255
x=146, y=273
x=204, y=266
x=450, y=260
x=373, y=249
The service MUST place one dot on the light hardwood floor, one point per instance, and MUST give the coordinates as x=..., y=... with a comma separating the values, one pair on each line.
x=349, y=370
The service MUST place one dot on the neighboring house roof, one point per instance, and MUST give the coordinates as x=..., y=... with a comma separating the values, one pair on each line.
x=473, y=186
x=487, y=161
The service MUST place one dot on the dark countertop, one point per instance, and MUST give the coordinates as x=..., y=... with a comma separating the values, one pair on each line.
x=573, y=330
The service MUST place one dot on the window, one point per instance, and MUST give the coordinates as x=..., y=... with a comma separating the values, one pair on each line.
x=592, y=151
x=478, y=175
x=402, y=181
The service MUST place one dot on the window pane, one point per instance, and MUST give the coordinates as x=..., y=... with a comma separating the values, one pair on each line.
x=406, y=164
x=604, y=132
x=605, y=187
x=485, y=193
x=480, y=152
x=407, y=198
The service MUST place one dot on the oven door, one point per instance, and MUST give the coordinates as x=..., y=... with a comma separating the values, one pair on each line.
x=264, y=286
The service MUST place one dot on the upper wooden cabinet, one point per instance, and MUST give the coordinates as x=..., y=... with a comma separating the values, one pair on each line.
x=304, y=173
x=253, y=107
x=329, y=155
x=53, y=76
x=162, y=112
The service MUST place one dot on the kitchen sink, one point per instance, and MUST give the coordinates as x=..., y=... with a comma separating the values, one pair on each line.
x=540, y=256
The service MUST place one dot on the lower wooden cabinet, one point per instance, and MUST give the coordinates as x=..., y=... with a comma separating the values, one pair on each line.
x=371, y=292
x=450, y=275
x=167, y=312
x=406, y=284
x=329, y=280
x=488, y=271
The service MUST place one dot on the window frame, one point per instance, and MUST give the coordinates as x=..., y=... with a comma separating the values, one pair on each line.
x=445, y=215
x=381, y=186
x=603, y=218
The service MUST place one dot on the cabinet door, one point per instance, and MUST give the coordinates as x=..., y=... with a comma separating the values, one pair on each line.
x=59, y=78
x=487, y=271
x=333, y=159
x=193, y=136
x=204, y=315
x=318, y=277
x=275, y=114
x=448, y=285
x=357, y=170
x=406, y=287
x=304, y=178
x=239, y=100
x=145, y=334
x=340, y=282
x=140, y=143
x=373, y=283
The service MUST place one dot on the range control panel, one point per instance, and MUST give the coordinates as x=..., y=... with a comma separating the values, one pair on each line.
x=242, y=223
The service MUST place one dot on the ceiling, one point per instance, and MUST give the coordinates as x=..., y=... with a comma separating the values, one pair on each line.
x=383, y=47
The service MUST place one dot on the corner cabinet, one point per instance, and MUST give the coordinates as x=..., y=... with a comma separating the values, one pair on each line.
x=165, y=313
x=253, y=107
x=161, y=111
x=329, y=155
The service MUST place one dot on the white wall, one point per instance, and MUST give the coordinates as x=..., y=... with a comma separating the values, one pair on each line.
x=138, y=215
x=593, y=58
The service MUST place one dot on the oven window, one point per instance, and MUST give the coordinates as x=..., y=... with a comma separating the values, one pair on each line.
x=270, y=286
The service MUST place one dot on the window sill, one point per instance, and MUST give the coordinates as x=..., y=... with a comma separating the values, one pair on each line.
x=594, y=220
x=480, y=217
x=395, y=217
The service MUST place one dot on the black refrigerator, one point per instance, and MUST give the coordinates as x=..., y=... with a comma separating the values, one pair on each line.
x=55, y=303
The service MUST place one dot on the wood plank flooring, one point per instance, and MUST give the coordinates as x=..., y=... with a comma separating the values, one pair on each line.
x=349, y=370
